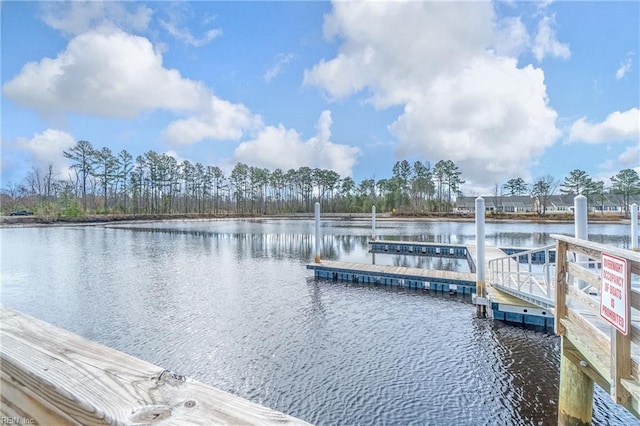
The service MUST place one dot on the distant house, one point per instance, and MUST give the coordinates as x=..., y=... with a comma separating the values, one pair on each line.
x=511, y=204
x=613, y=203
x=556, y=204
x=608, y=203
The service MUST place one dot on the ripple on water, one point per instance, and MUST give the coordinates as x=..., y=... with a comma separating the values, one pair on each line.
x=229, y=303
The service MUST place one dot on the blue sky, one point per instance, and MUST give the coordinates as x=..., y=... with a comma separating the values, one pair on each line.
x=507, y=89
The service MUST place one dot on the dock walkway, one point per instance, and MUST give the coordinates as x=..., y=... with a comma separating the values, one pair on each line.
x=511, y=307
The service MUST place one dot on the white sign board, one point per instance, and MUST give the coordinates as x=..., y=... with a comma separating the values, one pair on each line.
x=614, y=303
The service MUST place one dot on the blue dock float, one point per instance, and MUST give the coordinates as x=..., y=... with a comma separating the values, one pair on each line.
x=416, y=248
x=525, y=316
x=413, y=278
x=419, y=248
x=502, y=306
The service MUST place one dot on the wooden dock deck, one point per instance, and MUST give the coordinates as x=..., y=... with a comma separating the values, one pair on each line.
x=51, y=376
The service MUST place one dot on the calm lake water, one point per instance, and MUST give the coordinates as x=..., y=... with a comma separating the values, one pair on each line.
x=230, y=303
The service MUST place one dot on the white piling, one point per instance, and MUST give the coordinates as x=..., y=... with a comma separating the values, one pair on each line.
x=634, y=227
x=580, y=216
x=373, y=223
x=317, y=215
x=480, y=260
x=580, y=219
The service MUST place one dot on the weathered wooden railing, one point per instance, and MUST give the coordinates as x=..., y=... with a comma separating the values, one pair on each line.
x=50, y=376
x=593, y=350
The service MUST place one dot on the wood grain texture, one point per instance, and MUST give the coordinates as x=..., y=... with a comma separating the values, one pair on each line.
x=589, y=277
x=595, y=250
x=621, y=357
x=593, y=353
x=561, y=287
x=56, y=377
x=596, y=357
x=575, y=404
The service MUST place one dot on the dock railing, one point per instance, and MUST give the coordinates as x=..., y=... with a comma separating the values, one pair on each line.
x=526, y=273
x=592, y=349
x=51, y=376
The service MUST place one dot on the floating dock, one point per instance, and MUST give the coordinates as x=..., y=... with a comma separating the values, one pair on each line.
x=422, y=279
x=504, y=307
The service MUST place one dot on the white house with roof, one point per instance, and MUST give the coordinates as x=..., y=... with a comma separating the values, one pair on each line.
x=608, y=203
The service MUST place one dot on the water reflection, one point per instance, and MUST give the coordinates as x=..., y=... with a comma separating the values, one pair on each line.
x=230, y=303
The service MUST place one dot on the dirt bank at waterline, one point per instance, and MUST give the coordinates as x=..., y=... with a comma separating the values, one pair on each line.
x=36, y=220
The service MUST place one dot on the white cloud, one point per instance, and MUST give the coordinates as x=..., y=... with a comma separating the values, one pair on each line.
x=105, y=72
x=178, y=23
x=76, y=17
x=490, y=119
x=219, y=120
x=185, y=35
x=110, y=73
x=624, y=68
x=618, y=126
x=393, y=48
x=630, y=157
x=282, y=60
x=46, y=148
x=278, y=147
x=463, y=99
x=511, y=37
x=546, y=43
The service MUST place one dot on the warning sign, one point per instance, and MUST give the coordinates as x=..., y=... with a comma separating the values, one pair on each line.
x=614, y=302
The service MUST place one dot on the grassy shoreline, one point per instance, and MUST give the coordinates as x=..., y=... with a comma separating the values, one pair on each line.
x=9, y=221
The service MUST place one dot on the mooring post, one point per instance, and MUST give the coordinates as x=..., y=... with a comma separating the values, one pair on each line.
x=580, y=220
x=575, y=405
x=317, y=215
x=373, y=233
x=634, y=227
x=480, y=261
x=373, y=223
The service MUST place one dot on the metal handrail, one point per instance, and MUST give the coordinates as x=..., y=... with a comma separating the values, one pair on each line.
x=507, y=272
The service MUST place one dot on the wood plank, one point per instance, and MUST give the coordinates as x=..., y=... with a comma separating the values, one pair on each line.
x=498, y=296
x=18, y=402
x=570, y=351
x=598, y=358
x=621, y=355
x=575, y=401
x=561, y=287
x=620, y=366
x=89, y=383
x=595, y=335
x=580, y=272
x=635, y=299
x=633, y=387
x=595, y=250
x=590, y=303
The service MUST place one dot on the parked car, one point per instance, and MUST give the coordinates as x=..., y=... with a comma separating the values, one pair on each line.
x=21, y=213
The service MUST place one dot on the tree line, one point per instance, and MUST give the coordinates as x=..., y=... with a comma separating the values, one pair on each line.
x=100, y=181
